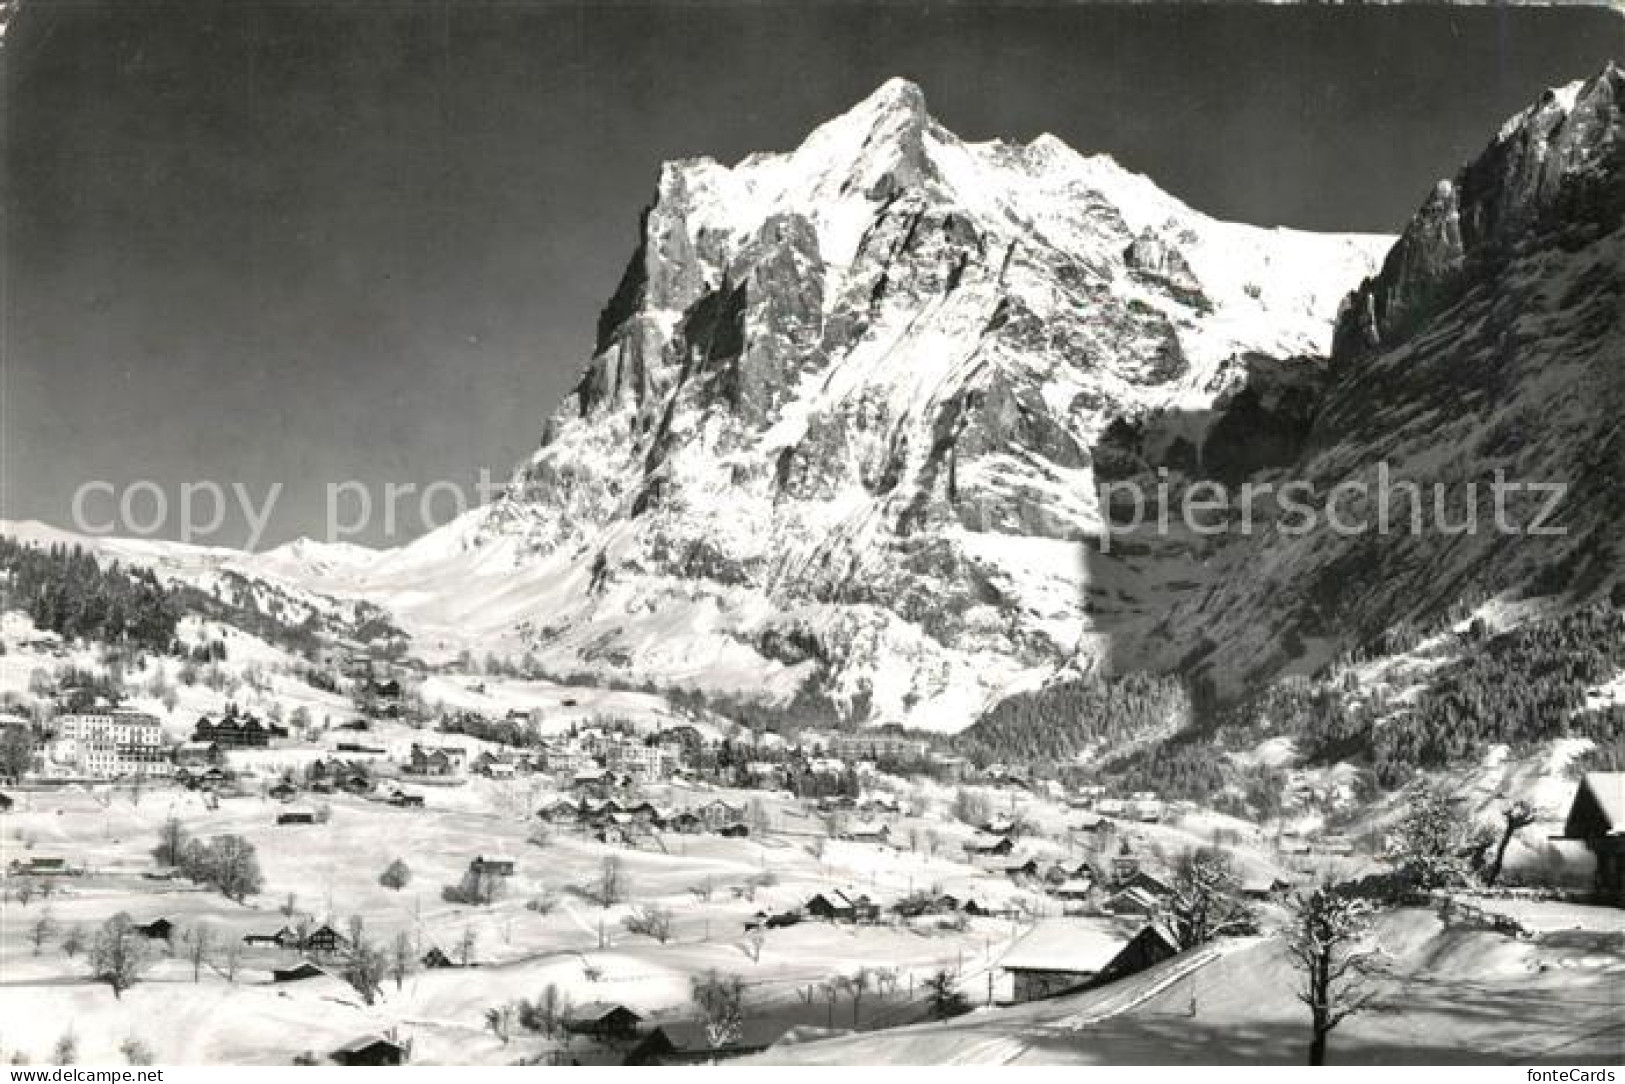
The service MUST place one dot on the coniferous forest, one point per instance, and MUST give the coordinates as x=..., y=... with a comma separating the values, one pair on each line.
x=66, y=591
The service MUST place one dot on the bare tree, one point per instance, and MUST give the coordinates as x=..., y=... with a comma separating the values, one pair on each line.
x=651, y=921
x=135, y=1051
x=610, y=888
x=171, y=843
x=500, y=1020
x=400, y=958
x=1514, y=819
x=73, y=940
x=66, y=1051
x=199, y=940
x=43, y=929
x=364, y=969
x=120, y=954
x=753, y=946
x=466, y=945
x=290, y=906
x=859, y=985
x=1204, y=902
x=1329, y=944
x=233, y=958
x=721, y=1002
x=831, y=989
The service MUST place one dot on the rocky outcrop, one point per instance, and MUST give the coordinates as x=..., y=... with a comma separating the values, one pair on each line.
x=1551, y=175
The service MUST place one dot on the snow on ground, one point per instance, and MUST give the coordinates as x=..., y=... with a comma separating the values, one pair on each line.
x=1447, y=995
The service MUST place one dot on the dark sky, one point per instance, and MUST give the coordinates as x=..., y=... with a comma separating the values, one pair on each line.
x=259, y=242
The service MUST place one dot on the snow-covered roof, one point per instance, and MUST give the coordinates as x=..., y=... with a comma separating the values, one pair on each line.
x=1064, y=945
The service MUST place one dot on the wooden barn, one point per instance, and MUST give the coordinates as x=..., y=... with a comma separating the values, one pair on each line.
x=1597, y=819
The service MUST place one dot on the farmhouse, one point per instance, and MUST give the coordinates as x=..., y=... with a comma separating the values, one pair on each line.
x=494, y=865
x=326, y=939
x=304, y=969
x=1058, y=956
x=1597, y=818
x=283, y=938
x=988, y=846
x=605, y=1021
x=1133, y=901
x=371, y=1050
x=159, y=929
x=684, y=1042
x=436, y=959
x=39, y=866
x=870, y=832
x=1152, y=945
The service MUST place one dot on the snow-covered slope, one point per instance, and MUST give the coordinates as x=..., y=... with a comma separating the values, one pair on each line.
x=837, y=427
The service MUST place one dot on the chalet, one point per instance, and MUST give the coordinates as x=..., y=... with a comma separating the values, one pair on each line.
x=401, y=799
x=986, y=846
x=833, y=906
x=870, y=832
x=371, y=1050
x=38, y=866
x=1058, y=956
x=326, y=939
x=1068, y=869
x=1125, y=864
x=159, y=929
x=6, y=803
x=1152, y=945
x=719, y=813
x=1597, y=818
x=300, y=971
x=685, y=1042
x=1133, y=901
x=283, y=938
x=295, y=816
x=198, y=754
x=436, y=959
x=495, y=865
x=840, y=905
x=687, y=822
x=1263, y=886
x=563, y=810
x=355, y=781
x=591, y=778
x=1148, y=882
x=435, y=762
x=605, y=1021
x=734, y=831
x=1075, y=893
x=1020, y=869
x=283, y=791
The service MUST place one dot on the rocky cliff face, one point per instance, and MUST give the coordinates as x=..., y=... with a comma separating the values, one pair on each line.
x=837, y=432
x=1490, y=344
